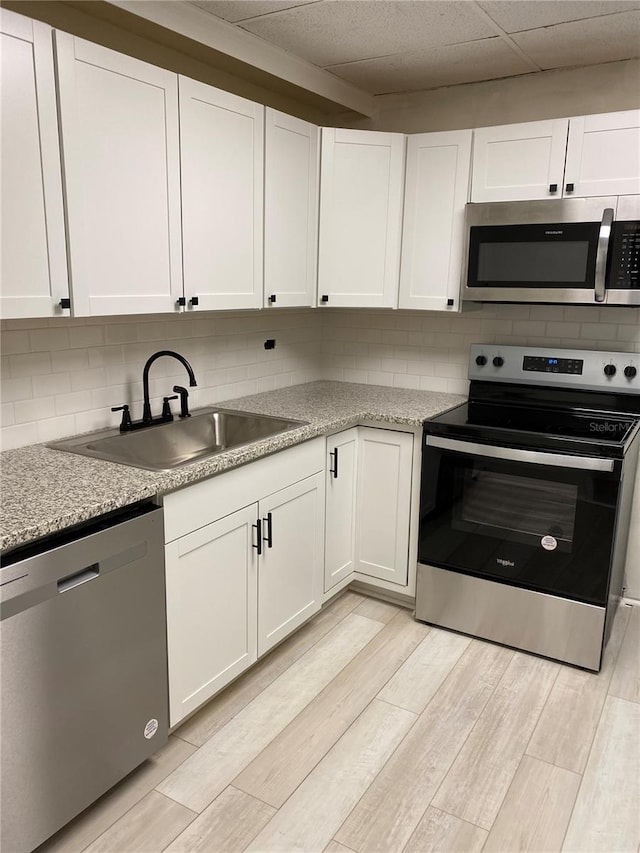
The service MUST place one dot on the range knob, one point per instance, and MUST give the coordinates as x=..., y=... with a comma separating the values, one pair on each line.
x=498, y=361
x=609, y=370
x=481, y=360
x=630, y=371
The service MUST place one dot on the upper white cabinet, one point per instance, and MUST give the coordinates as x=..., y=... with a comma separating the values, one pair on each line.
x=222, y=163
x=603, y=155
x=33, y=263
x=515, y=162
x=527, y=161
x=290, y=210
x=361, y=193
x=119, y=129
x=436, y=192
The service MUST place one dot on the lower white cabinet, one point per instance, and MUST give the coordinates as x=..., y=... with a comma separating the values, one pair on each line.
x=368, y=510
x=241, y=582
x=212, y=582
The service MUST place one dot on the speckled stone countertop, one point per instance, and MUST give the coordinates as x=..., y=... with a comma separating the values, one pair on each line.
x=46, y=490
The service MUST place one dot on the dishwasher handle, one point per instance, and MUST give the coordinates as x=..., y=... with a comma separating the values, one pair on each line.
x=77, y=578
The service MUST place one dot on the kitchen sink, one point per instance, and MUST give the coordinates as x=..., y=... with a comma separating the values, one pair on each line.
x=167, y=446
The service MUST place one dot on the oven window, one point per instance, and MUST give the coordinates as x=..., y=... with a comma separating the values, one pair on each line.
x=540, y=262
x=522, y=507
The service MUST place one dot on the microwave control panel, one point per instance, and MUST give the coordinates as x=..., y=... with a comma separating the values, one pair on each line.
x=624, y=256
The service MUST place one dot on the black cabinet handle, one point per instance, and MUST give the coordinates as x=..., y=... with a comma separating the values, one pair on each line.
x=334, y=470
x=272, y=298
x=450, y=303
x=194, y=300
x=268, y=523
x=324, y=298
x=258, y=528
x=65, y=302
x=181, y=301
x=569, y=188
x=553, y=188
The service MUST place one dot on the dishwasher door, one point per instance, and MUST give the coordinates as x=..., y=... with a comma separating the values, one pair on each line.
x=84, y=671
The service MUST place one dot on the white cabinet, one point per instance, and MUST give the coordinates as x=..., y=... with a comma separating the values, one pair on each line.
x=436, y=192
x=369, y=506
x=290, y=210
x=119, y=130
x=211, y=579
x=290, y=566
x=516, y=162
x=603, y=155
x=341, y=484
x=361, y=192
x=33, y=263
x=385, y=460
x=222, y=166
x=244, y=560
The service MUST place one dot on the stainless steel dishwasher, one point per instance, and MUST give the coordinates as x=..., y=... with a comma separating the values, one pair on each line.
x=84, y=669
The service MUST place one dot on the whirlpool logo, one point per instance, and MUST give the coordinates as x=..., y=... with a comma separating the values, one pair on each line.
x=502, y=562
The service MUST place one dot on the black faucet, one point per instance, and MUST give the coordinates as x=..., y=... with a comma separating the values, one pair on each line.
x=147, y=418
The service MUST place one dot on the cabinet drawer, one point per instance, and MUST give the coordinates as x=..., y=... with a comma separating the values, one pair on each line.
x=194, y=506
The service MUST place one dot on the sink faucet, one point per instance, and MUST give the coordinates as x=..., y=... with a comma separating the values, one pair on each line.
x=146, y=409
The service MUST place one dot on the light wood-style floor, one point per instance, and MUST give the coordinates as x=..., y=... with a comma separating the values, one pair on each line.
x=368, y=731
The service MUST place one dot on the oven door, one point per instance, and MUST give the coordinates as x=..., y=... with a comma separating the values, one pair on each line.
x=537, y=520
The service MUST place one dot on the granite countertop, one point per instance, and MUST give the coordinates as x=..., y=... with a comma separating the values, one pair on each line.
x=46, y=490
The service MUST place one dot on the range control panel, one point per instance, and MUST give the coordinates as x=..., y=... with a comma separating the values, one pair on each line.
x=587, y=369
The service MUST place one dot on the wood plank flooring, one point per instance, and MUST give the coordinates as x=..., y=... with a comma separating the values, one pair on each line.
x=367, y=731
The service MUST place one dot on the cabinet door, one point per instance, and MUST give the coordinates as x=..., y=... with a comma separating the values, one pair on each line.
x=436, y=192
x=384, y=503
x=517, y=162
x=290, y=576
x=119, y=125
x=603, y=155
x=340, y=526
x=222, y=163
x=361, y=190
x=33, y=262
x=211, y=609
x=290, y=211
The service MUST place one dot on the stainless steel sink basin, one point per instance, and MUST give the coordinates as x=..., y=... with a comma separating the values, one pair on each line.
x=179, y=442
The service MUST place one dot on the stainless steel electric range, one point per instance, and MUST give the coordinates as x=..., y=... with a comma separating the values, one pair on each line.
x=526, y=500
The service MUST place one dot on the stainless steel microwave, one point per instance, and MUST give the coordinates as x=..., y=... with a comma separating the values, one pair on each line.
x=581, y=251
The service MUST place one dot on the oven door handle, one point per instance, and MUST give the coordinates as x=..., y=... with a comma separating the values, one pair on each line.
x=601, y=253
x=559, y=460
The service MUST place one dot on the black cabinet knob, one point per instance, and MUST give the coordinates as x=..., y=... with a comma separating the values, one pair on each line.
x=272, y=298
x=450, y=303
x=194, y=300
x=609, y=370
x=481, y=360
x=630, y=371
x=553, y=188
x=498, y=361
x=181, y=300
x=65, y=302
x=324, y=298
x=569, y=188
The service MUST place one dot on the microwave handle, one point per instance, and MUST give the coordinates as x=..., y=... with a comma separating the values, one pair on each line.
x=601, y=253
x=512, y=454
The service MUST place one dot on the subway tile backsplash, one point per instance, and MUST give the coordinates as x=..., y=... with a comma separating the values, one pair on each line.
x=61, y=376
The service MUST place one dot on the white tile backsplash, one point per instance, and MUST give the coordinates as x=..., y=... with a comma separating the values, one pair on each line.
x=62, y=376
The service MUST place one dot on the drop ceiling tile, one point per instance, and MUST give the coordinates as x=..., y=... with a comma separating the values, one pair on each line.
x=486, y=59
x=516, y=15
x=587, y=42
x=241, y=10
x=337, y=31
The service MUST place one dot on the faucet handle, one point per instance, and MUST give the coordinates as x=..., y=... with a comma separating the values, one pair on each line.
x=125, y=423
x=166, y=408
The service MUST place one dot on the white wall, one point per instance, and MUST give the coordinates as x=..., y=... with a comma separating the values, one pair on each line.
x=60, y=377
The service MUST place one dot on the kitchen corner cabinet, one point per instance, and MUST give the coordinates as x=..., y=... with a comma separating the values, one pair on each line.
x=369, y=506
x=244, y=556
x=119, y=131
x=33, y=262
x=361, y=196
x=222, y=167
x=436, y=192
x=341, y=487
x=603, y=155
x=291, y=211
x=517, y=162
